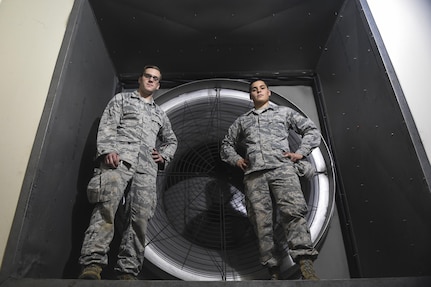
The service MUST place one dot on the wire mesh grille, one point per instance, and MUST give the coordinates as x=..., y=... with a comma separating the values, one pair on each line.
x=200, y=230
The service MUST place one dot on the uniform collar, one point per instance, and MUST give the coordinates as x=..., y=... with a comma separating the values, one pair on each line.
x=137, y=95
x=270, y=107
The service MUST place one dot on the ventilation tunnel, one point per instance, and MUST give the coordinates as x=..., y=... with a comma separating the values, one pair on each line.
x=200, y=230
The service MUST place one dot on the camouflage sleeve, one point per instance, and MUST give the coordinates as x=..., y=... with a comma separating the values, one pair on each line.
x=168, y=140
x=107, y=133
x=307, y=129
x=228, y=152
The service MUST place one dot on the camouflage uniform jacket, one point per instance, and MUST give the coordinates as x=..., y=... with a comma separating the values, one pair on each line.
x=131, y=127
x=264, y=137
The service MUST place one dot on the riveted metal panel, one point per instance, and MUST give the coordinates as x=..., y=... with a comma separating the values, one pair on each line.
x=385, y=195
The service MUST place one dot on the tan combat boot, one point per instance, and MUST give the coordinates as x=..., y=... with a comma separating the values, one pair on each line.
x=274, y=272
x=91, y=272
x=307, y=270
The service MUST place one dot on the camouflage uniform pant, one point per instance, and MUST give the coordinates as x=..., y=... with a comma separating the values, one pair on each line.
x=284, y=185
x=141, y=201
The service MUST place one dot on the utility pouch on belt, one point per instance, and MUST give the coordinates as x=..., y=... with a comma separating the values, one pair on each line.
x=96, y=187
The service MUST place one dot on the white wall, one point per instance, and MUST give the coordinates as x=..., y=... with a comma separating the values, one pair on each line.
x=405, y=27
x=31, y=33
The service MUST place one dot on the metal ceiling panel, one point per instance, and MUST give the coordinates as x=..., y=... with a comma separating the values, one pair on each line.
x=202, y=39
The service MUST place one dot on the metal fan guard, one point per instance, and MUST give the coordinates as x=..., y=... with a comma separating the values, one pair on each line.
x=200, y=229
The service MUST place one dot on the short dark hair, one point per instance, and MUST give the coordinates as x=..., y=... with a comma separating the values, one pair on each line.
x=151, y=67
x=254, y=81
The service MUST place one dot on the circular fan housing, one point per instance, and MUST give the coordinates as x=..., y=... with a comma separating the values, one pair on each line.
x=200, y=230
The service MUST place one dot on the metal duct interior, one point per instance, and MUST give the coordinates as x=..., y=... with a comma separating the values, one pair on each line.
x=200, y=230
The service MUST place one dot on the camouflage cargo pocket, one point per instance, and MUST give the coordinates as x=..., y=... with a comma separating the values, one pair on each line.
x=96, y=187
x=304, y=168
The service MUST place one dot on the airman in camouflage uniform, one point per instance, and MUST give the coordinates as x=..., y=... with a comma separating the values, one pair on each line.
x=126, y=146
x=271, y=169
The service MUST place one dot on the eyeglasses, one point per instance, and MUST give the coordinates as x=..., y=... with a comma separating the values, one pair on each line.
x=149, y=76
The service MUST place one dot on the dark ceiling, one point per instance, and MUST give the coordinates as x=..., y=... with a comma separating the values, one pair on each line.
x=193, y=39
